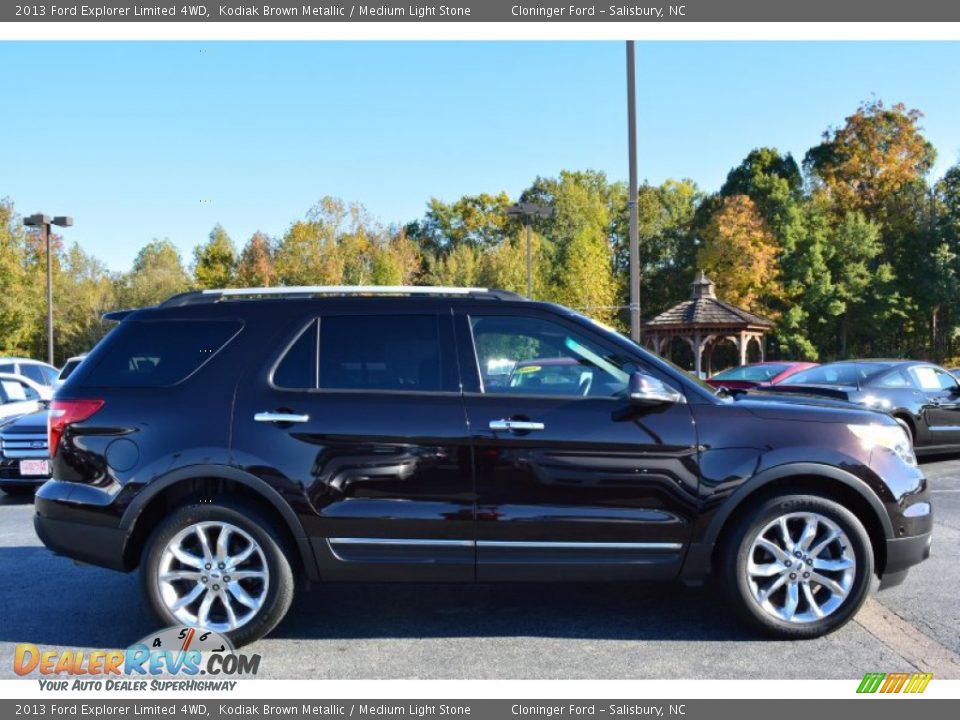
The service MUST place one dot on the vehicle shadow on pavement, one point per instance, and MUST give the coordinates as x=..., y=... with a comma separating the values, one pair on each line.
x=49, y=600
x=602, y=611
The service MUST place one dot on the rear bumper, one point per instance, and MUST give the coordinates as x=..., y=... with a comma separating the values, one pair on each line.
x=60, y=529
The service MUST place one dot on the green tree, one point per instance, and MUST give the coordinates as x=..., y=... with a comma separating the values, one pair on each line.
x=85, y=290
x=215, y=262
x=477, y=220
x=462, y=265
x=307, y=254
x=18, y=325
x=157, y=273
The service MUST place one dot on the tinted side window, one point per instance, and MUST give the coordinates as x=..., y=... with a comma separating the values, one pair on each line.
x=388, y=352
x=298, y=368
x=158, y=353
x=530, y=356
x=49, y=374
x=8, y=368
x=68, y=369
x=33, y=372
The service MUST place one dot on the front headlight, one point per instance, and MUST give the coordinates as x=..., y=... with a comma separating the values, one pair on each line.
x=877, y=403
x=890, y=437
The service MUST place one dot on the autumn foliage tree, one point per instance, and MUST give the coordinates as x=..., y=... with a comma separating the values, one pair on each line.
x=868, y=163
x=740, y=254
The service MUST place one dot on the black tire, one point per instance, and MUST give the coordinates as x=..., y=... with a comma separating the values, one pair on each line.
x=279, y=593
x=737, y=548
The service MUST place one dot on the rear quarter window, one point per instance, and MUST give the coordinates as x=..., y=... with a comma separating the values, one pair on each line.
x=158, y=353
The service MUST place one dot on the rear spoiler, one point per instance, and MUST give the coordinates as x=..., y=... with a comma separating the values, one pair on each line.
x=115, y=315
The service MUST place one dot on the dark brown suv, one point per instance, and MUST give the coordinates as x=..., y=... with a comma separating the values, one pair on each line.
x=226, y=442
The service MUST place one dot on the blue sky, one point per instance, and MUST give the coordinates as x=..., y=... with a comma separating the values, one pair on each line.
x=144, y=140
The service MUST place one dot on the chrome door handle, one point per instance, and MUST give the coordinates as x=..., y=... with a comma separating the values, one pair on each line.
x=280, y=417
x=515, y=425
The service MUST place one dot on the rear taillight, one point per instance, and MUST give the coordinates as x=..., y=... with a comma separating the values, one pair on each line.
x=66, y=412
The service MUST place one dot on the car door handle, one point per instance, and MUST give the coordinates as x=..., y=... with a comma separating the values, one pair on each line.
x=280, y=417
x=515, y=425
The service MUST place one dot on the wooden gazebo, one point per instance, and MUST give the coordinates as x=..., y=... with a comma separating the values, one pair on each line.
x=703, y=321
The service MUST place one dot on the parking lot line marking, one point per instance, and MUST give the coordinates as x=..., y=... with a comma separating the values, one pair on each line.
x=914, y=646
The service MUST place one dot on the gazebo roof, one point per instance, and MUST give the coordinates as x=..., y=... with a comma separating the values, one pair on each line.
x=704, y=310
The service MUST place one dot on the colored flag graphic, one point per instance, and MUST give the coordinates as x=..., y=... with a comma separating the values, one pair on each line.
x=894, y=682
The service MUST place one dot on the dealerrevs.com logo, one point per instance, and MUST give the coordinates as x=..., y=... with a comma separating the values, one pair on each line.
x=177, y=652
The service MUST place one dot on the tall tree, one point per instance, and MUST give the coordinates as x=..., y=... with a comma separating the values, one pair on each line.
x=739, y=253
x=477, y=220
x=255, y=266
x=215, y=262
x=18, y=325
x=866, y=164
x=157, y=273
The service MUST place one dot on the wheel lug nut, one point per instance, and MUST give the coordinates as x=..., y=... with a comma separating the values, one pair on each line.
x=216, y=587
x=806, y=575
x=788, y=563
x=203, y=579
x=226, y=578
x=798, y=554
x=220, y=566
x=793, y=576
x=208, y=566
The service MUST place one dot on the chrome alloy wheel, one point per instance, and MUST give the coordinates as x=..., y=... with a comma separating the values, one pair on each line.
x=801, y=567
x=213, y=575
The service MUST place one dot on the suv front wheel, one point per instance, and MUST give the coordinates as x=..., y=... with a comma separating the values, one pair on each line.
x=220, y=567
x=797, y=566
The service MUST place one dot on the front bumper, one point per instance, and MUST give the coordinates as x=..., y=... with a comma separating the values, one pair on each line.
x=902, y=554
x=63, y=528
x=10, y=475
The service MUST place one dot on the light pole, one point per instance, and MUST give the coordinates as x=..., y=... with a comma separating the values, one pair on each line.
x=632, y=198
x=44, y=222
x=528, y=211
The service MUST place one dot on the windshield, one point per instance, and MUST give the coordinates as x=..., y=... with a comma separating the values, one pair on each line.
x=689, y=374
x=752, y=373
x=845, y=373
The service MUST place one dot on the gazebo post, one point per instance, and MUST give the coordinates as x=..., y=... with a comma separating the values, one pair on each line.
x=697, y=353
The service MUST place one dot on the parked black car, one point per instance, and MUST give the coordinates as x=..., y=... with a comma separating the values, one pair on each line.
x=228, y=441
x=24, y=457
x=922, y=397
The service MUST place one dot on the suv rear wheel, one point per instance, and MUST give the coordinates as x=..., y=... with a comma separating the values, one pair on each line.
x=220, y=567
x=797, y=566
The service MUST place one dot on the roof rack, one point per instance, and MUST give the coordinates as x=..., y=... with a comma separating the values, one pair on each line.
x=197, y=297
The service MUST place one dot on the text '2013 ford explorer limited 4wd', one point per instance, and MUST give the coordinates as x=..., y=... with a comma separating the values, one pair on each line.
x=226, y=442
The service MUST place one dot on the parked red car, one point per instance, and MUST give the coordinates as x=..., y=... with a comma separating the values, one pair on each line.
x=745, y=377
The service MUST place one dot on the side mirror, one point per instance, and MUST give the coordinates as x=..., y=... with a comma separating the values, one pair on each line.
x=646, y=390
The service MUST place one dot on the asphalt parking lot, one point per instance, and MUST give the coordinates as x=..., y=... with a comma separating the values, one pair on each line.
x=518, y=631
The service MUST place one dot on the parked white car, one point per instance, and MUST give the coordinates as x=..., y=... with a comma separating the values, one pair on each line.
x=20, y=395
x=68, y=367
x=39, y=372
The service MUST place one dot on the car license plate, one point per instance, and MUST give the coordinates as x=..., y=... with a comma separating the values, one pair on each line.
x=34, y=467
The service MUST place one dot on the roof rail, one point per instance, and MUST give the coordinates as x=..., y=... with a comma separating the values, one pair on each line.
x=197, y=297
